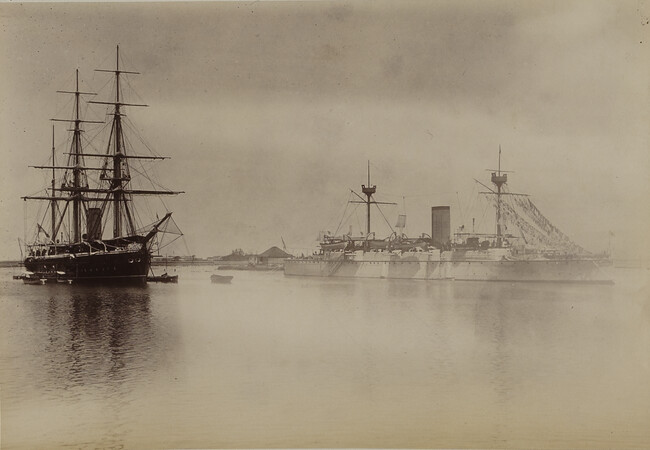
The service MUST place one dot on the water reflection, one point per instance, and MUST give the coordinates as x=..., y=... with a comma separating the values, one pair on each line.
x=292, y=362
x=94, y=353
x=93, y=338
x=96, y=335
x=512, y=346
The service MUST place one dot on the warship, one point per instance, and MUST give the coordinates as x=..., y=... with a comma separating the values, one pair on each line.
x=85, y=201
x=539, y=252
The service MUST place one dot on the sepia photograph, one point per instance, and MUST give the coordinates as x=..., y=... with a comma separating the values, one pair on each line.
x=325, y=224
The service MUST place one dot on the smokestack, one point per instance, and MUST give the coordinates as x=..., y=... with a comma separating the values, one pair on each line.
x=440, y=226
x=94, y=223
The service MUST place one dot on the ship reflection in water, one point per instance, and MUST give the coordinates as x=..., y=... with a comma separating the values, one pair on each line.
x=80, y=358
x=274, y=361
x=93, y=336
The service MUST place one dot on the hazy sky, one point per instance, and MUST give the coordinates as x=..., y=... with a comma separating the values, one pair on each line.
x=271, y=110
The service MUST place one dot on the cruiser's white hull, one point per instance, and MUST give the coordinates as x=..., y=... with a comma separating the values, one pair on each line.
x=431, y=268
x=576, y=270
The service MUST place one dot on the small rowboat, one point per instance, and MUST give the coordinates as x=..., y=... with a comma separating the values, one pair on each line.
x=221, y=278
x=32, y=278
x=164, y=278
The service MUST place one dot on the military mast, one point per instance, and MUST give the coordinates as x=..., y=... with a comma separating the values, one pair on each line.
x=369, y=191
x=499, y=179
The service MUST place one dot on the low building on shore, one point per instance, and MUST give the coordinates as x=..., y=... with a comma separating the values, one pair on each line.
x=273, y=256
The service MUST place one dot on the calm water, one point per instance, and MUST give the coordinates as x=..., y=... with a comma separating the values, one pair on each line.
x=269, y=361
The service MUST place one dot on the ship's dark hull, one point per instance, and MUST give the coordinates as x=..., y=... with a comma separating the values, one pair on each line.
x=117, y=267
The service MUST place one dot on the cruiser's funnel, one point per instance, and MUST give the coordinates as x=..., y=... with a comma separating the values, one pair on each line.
x=94, y=223
x=440, y=226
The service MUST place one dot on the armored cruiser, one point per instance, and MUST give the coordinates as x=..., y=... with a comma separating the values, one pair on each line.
x=539, y=252
x=85, y=201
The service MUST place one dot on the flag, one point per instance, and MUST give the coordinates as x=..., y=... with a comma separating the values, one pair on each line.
x=401, y=221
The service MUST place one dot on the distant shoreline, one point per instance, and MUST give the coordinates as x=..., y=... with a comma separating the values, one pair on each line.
x=153, y=263
x=11, y=263
x=618, y=263
x=200, y=262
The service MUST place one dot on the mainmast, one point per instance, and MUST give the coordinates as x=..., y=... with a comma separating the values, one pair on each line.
x=117, y=160
x=53, y=201
x=120, y=177
x=499, y=179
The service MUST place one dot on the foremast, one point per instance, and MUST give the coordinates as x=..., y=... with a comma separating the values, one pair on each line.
x=79, y=181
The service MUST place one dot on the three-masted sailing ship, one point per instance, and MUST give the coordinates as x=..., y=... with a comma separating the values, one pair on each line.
x=87, y=202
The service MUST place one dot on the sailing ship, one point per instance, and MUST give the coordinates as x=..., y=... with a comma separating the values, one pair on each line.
x=85, y=201
x=540, y=252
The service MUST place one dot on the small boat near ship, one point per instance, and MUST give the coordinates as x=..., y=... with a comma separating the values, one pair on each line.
x=32, y=278
x=85, y=201
x=539, y=253
x=221, y=278
x=164, y=278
